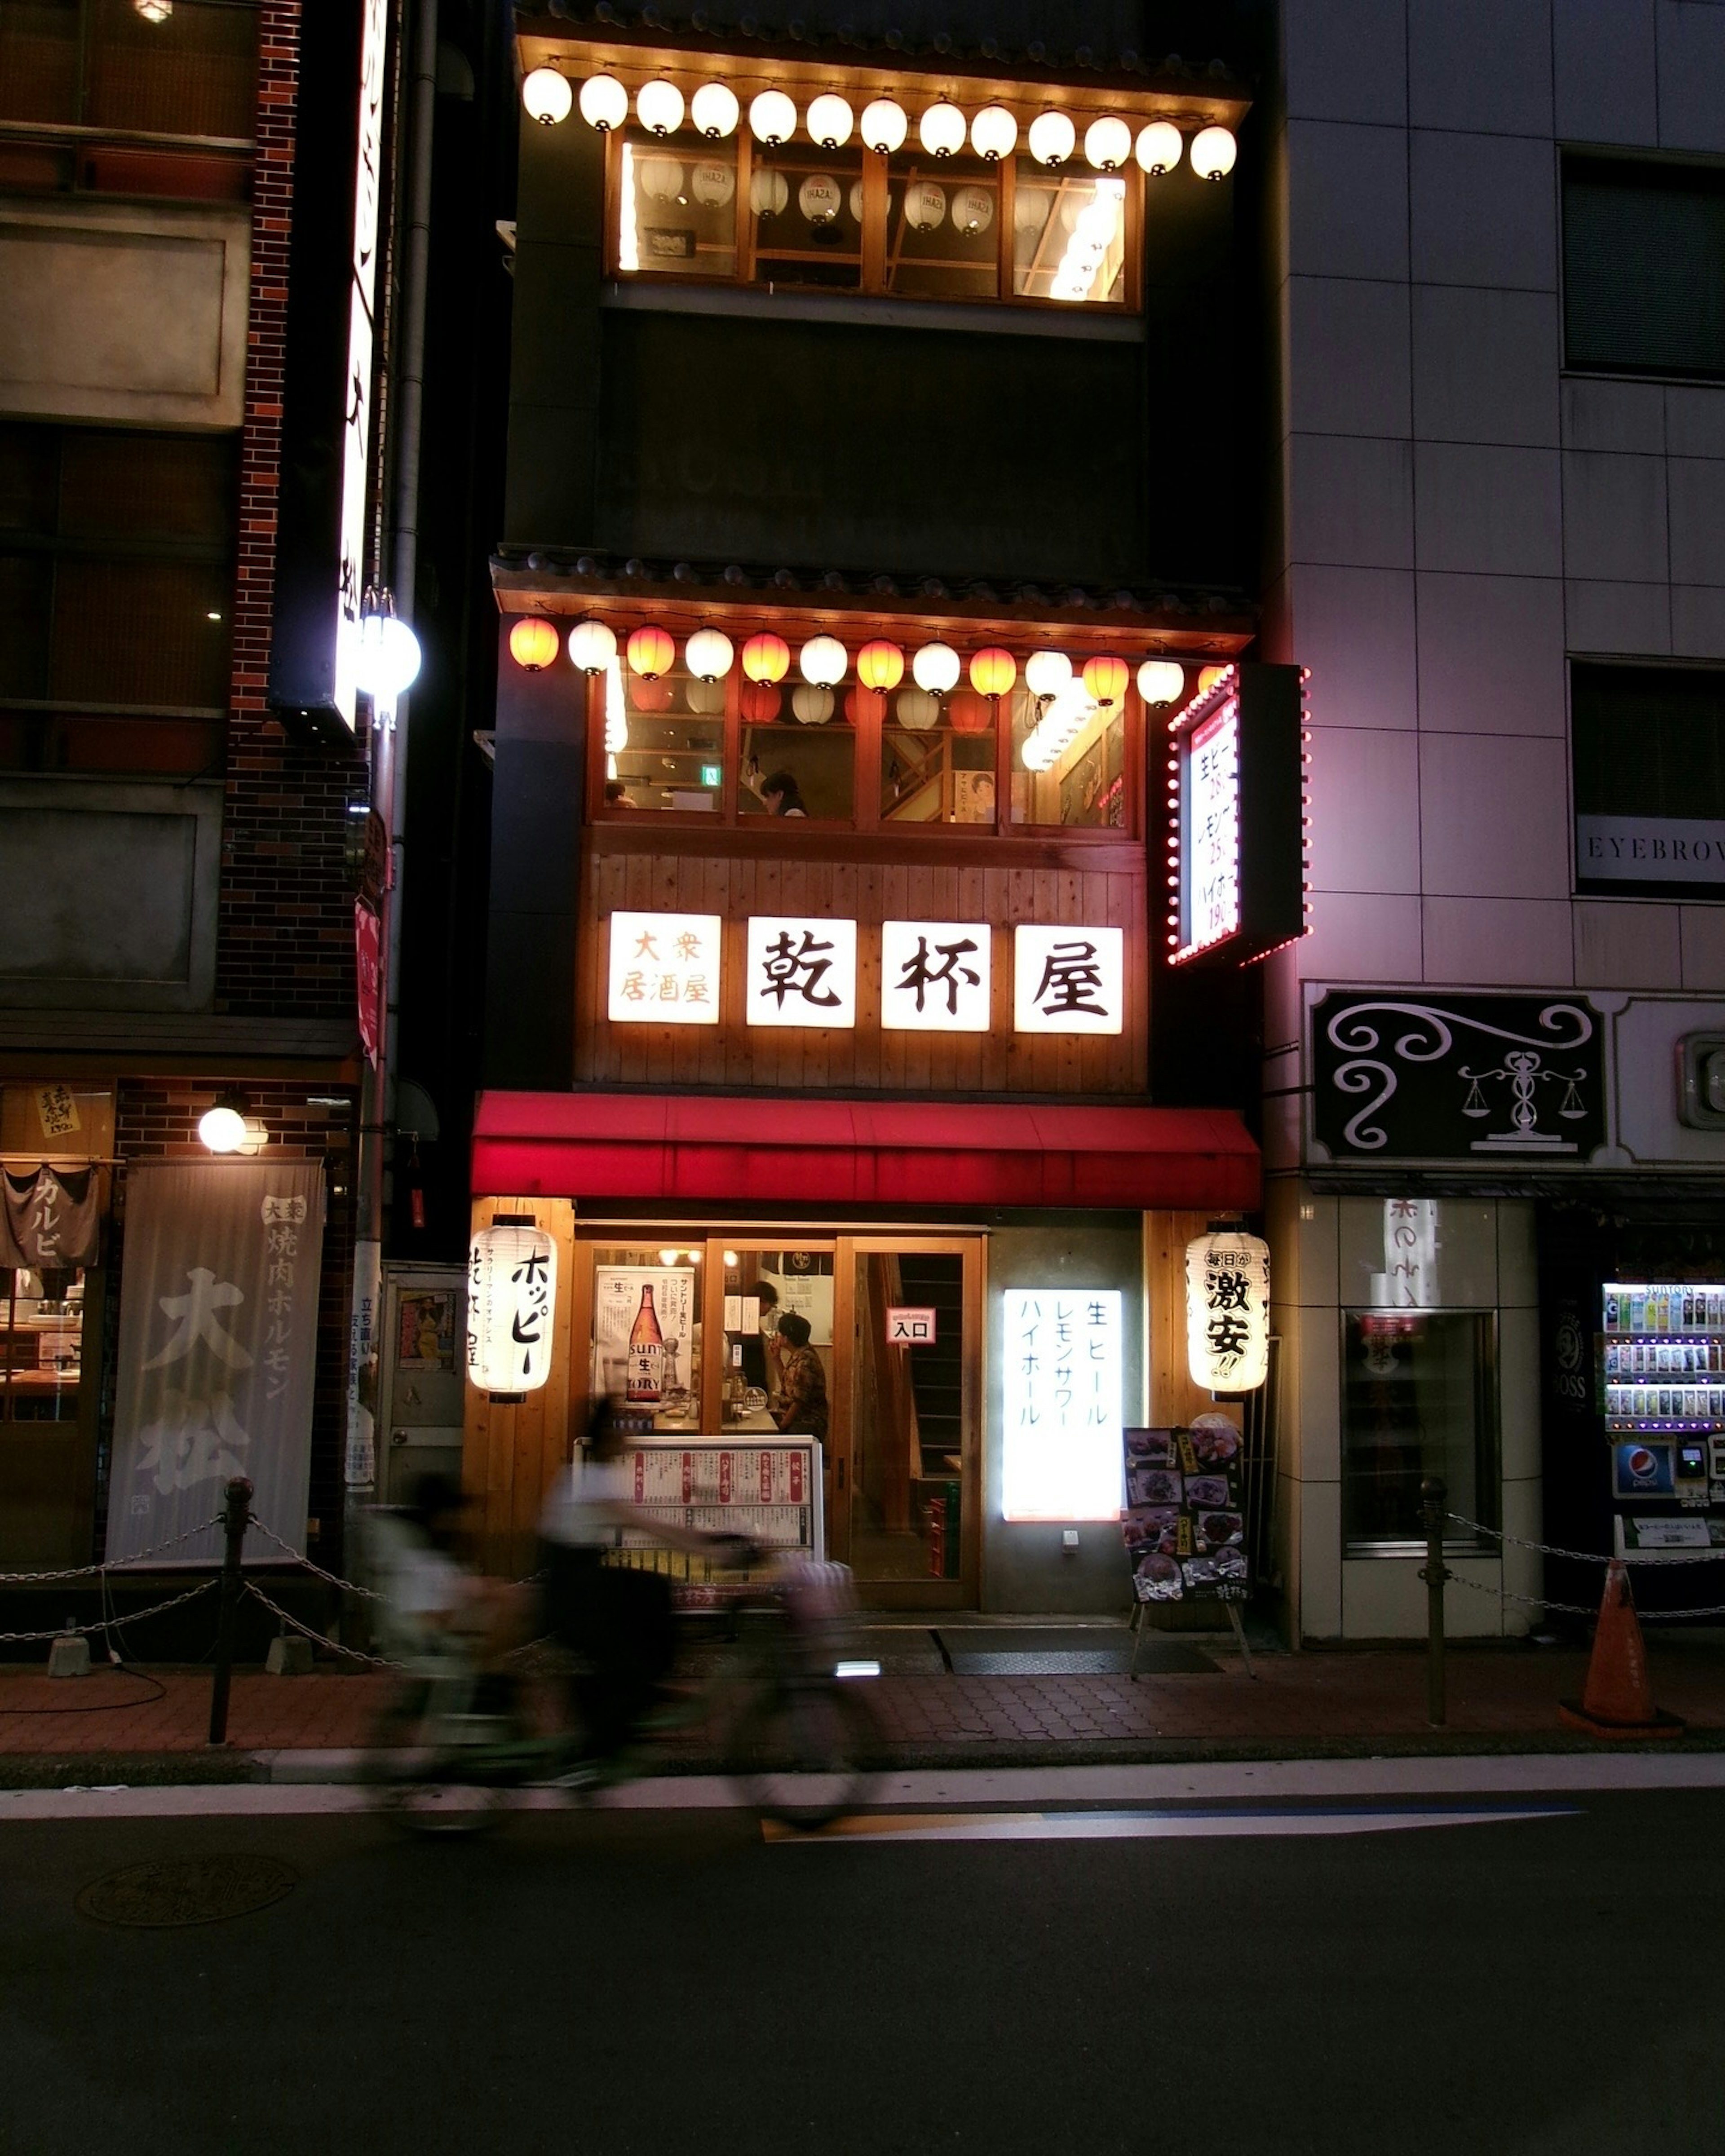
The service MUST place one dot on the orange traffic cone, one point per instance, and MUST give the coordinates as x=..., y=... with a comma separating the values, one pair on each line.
x=1618, y=1700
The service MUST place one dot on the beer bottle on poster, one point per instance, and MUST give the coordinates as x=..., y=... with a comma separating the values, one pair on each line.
x=646, y=1354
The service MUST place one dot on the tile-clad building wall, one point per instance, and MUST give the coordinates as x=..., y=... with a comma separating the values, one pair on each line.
x=285, y=943
x=156, y=1119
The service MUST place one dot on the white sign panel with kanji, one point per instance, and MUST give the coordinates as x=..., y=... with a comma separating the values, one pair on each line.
x=801, y=972
x=665, y=968
x=934, y=976
x=1061, y=1389
x=1068, y=980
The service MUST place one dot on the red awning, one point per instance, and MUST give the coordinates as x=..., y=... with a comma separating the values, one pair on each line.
x=716, y=1150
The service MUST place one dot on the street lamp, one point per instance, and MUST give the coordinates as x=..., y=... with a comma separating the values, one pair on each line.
x=387, y=664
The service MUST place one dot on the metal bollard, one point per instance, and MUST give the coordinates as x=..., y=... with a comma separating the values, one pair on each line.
x=236, y=1510
x=1434, y=1495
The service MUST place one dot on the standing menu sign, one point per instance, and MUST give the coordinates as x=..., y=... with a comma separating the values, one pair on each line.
x=217, y=1345
x=1184, y=1529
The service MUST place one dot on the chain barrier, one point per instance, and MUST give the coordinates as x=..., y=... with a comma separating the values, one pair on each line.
x=1580, y=1608
x=318, y=1639
x=335, y=1579
x=109, y=1623
x=92, y=1571
x=1583, y=1556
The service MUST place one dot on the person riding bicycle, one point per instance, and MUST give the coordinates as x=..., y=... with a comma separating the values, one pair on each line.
x=619, y=1618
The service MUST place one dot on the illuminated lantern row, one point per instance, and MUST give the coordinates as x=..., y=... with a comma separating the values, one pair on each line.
x=884, y=126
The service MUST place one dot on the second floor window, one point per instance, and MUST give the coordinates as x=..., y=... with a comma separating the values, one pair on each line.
x=1644, y=267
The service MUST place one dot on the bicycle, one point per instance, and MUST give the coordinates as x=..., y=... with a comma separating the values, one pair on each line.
x=800, y=1741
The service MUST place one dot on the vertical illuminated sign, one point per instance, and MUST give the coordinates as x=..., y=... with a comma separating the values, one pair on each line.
x=1212, y=832
x=1061, y=1389
x=357, y=388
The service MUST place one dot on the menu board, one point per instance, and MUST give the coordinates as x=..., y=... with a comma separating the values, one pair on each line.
x=1184, y=1526
x=771, y=1493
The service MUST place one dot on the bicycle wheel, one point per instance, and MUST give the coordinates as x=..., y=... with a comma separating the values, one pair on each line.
x=418, y=1783
x=804, y=1752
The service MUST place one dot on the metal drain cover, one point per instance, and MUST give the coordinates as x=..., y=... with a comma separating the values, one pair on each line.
x=187, y=1890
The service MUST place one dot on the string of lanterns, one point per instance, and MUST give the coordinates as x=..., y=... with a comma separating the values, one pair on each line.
x=883, y=125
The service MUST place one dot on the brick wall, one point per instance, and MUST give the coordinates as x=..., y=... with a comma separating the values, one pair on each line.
x=285, y=941
x=156, y=1119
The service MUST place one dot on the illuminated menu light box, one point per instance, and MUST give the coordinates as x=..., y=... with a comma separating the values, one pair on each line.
x=1236, y=774
x=1062, y=1364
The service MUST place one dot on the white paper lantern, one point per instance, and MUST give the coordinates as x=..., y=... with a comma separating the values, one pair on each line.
x=1162, y=680
x=941, y=130
x=1051, y=138
x=813, y=706
x=1158, y=147
x=593, y=645
x=772, y=118
x=883, y=125
x=993, y=133
x=1213, y=153
x=818, y=198
x=925, y=205
x=829, y=121
x=714, y=111
x=972, y=209
x=823, y=660
x=855, y=200
x=706, y=698
x=1029, y=209
x=547, y=97
x=1228, y=1310
x=708, y=654
x=1046, y=673
x=604, y=102
x=935, y=668
x=661, y=179
x=712, y=185
x=512, y=1308
x=769, y=192
x=1108, y=144
x=659, y=107
x=917, y=709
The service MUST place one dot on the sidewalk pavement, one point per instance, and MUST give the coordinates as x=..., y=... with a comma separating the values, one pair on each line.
x=116, y=1726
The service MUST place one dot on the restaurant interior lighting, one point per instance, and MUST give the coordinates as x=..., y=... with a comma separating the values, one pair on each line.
x=935, y=668
x=616, y=713
x=546, y=96
x=941, y=130
x=1108, y=144
x=708, y=653
x=883, y=125
x=153, y=11
x=823, y=660
x=993, y=133
x=830, y=120
x=1083, y=266
x=1051, y=138
x=593, y=645
x=714, y=110
x=659, y=107
x=1214, y=150
x=1046, y=673
x=604, y=102
x=772, y=118
x=1162, y=680
x=1158, y=147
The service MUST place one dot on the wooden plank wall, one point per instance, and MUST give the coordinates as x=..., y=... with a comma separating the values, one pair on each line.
x=1174, y=1399
x=509, y=1452
x=791, y=1059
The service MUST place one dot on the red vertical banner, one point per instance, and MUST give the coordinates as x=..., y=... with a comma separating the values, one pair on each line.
x=368, y=975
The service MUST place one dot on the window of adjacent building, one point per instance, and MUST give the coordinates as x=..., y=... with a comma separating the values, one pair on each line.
x=1418, y=1390
x=100, y=64
x=1644, y=266
x=117, y=582
x=43, y=1310
x=1648, y=747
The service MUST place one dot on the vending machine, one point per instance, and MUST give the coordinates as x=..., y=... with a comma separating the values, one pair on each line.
x=1662, y=1350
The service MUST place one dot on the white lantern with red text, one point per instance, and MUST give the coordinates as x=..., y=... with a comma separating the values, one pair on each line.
x=1228, y=1310
x=511, y=1307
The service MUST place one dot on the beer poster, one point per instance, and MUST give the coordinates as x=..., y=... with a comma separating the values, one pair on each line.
x=638, y=1300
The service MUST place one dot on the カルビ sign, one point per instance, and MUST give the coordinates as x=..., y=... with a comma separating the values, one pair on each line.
x=1457, y=1077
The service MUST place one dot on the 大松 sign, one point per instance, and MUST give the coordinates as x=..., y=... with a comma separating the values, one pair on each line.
x=1406, y=1077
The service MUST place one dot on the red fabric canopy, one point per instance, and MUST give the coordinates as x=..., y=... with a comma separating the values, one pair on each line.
x=753, y=1152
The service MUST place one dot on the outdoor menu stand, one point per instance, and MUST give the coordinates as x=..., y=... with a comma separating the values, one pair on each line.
x=1183, y=1528
x=1139, y=1627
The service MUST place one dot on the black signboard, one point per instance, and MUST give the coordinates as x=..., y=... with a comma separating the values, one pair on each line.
x=1183, y=1524
x=1402, y=1075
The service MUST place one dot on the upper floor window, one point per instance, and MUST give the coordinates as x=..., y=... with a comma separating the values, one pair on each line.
x=184, y=69
x=1644, y=266
x=1648, y=749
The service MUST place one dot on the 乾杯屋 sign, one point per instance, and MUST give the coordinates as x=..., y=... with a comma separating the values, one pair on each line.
x=935, y=976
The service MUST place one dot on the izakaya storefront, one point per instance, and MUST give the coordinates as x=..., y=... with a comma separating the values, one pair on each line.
x=924, y=1244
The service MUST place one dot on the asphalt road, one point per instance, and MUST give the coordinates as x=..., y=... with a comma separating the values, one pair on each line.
x=610, y=1983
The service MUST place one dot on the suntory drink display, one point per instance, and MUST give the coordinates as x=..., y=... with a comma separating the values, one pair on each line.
x=1664, y=1355
x=645, y=1379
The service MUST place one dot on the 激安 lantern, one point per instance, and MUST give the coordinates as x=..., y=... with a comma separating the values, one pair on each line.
x=512, y=1308
x=992, y=671
x=766, y=657
x=533, y=643
x=1106, y=679
x=1228, y=1310
x=649, y=652
x=879, y=664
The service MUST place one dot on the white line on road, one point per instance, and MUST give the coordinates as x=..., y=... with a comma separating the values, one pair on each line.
x=1146, y=1826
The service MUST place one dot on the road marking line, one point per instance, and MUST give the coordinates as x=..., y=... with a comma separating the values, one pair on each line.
x=1144, y=1826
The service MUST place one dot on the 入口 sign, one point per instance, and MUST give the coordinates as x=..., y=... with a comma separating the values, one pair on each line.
x=909, y=1328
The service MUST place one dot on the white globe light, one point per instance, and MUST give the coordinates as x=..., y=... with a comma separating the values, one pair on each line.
x=387, y=660
x=883, y=125
x=1108, y=144
x=1051, y=137
x=993, y=133
x=1213, y=153
x=714, y=110
x=713, y=185
x=813, y=706
x=972, y=209
x=708, y=654
x=547, y=96
x=604, y=102
x=592, y=646
x=1046, y=673
x=941, y=130
x=926, y=205
x=772, y=118
x=222, y=1128
x=1160, y=680
x=935, y=668
x=823, y=661
x=659, y=106
x=1158, y=147
x=769, y=192
x=829, y=121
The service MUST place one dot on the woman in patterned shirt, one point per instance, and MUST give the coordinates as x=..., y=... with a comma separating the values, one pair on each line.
x=801, y=1409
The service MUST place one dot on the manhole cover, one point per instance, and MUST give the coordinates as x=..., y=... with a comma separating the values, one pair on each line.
x=187, y=1890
